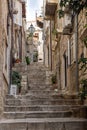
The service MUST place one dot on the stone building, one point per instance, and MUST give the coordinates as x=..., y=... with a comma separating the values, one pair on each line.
x=9, y=43
x=63, y=44
x=19, y=29
x=5, y=44
x=34, y=44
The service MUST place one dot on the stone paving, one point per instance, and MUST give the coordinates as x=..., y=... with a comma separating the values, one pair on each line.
x=40, y=107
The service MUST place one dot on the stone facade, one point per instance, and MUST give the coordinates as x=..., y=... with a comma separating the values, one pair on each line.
x=3, y=52
x=18, y=30
x=7, y=40
x=65, y=46
x=34, y=45
x=23, y=39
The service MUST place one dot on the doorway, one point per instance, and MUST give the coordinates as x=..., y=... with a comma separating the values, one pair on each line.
x=65, y=68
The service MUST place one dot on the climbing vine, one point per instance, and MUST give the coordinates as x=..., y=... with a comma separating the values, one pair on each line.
x=75, y=5
x=83, y=68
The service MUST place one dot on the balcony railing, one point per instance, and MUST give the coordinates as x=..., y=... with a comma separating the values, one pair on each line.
x=52, y=1
x=50, y=7
x=23, y=1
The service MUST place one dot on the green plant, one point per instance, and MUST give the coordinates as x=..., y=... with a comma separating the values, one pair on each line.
x=83, y=68
x=85, y=41
x=54, y=79
x=54, y=31
x=16, y=78
x=29, y=36
x=83, y=82
x=27, y=60
x=83, y=92
x=75, y=5
x=61, y=13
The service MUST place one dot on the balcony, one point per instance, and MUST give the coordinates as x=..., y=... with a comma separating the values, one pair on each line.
x=50, y=7
x=67, y=24
x=39, y=21
x=67, y=9
x=23, y=10
x=23, y=1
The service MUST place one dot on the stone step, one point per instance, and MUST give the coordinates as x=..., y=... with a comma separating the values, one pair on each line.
x=40, y=96
x=39, y=86
x=30, y=68
x=38, y=70
x=37, y=114
x=10, y=108
x=31, y=65
x=44, y=124
x=38, y=82
x=20, y=102
x=32, y=97
x=41, y=92
x=36, y=77
x=42, y=68
x=35, y=96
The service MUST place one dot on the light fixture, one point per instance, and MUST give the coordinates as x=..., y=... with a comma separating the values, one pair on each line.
x=31, y=29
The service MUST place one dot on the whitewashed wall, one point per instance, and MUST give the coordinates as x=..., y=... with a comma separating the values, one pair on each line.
x=17, y=5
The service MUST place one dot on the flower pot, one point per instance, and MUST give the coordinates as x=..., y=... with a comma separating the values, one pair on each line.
x=13, y=89
x=17, y=61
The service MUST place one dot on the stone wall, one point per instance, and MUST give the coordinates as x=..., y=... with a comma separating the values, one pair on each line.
x=66, y=46
x=23, y=40
x=71, y=69
x=3, y=40
x=82, y=32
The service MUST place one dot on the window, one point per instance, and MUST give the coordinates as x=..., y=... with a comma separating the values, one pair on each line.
x=6, y=56
x=69, y=52
x=65, y=68
x=72, y=50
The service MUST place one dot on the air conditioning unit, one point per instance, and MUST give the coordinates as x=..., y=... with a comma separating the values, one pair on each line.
x=15, y=11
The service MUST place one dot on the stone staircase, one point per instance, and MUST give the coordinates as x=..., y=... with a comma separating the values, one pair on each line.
x=41, y=108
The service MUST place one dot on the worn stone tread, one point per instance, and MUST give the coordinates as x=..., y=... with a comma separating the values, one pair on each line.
x=33, y=112
x=38, y=120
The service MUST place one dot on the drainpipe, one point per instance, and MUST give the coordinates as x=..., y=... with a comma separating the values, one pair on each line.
x=76, y=41
x=11, y=52
x=50, y=46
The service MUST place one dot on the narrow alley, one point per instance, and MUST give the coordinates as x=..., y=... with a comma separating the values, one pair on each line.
x=43, y=65
x=40, y=107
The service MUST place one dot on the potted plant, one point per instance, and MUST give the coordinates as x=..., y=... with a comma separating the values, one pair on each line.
x=16, y=83
x=17, y=60
x=27, y=60
x=83, y=89
x=54, y=82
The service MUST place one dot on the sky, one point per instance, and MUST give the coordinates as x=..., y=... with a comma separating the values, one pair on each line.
x=32, y=7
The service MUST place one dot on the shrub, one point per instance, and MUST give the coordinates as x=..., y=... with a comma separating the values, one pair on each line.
x=27, y=60
x=16, y=78
x=54, y=79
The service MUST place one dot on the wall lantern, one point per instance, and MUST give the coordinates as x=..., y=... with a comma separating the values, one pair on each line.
x=31, y=29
